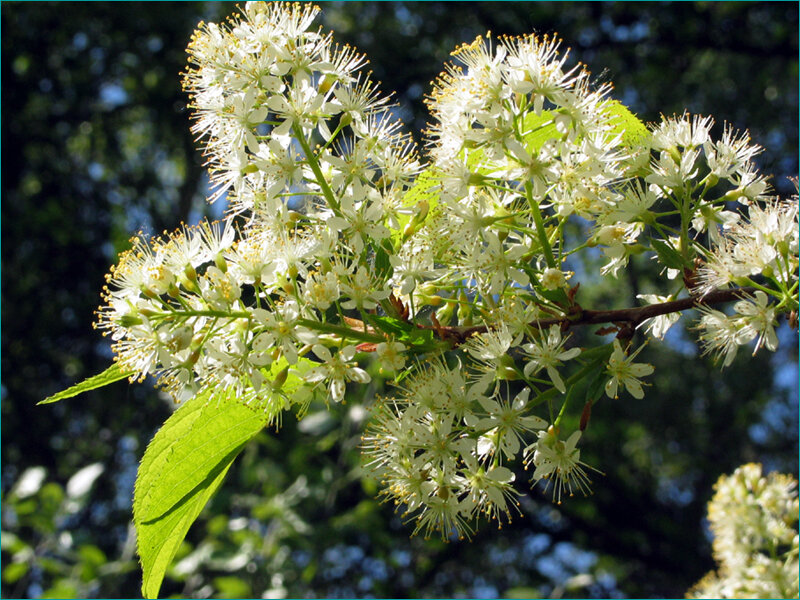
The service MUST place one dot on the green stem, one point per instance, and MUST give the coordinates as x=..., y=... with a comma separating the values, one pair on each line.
x=551, y=393
x=539, y=222
x=314, y=164
x=341, y=331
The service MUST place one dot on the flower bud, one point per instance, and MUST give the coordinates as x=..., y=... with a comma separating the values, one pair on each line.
x=280, y=379
x=190, y=272
x=221, y=263
x=129, y=321
x=326, y=84
x=464, y=309
x=445, y=313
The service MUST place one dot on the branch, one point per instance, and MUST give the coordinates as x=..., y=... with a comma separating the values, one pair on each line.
x=631, y=316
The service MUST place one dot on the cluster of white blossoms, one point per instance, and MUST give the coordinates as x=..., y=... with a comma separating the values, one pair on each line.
x=340, y=245
x=754, y=521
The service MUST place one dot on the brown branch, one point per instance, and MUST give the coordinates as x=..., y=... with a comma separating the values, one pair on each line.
x=626, y=318
x=630, y=316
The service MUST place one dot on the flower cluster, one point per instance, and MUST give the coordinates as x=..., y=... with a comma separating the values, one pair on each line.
x=339, y=243
x=762, y=248
x=754, y=521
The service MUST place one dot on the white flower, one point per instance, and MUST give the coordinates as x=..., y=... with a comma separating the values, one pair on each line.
x=618, y=239
x=559, y=461
x=728, y=155
x=492, y=346
x=684, y=131
x=719, y=334
x=336, y=370
x=359, y=287
x=658, y=326
x=219, y=289
x=504, y=424
x=390, y=355
x=754, y=521
x=320, y=291
x=758, y=319
x=489, y=489
x=548, y=354
x=625, y=372
x=553, y=279
x=361, y=217
x=281, y=329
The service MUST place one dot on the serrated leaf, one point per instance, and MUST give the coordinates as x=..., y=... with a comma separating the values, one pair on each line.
x=181, y=469
x=159, y=540
x=111, y=375
x=538, y=130
x=625, y=122
x=383, y=268
x=557, y=296
x=668, y=256
x=596, y=384
x=390, y=325
x=418, y=337
x=427, y=188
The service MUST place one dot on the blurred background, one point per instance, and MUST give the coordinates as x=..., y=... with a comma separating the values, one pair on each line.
x=96, y=146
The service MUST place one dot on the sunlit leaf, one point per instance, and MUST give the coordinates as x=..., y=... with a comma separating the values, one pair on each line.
x=110, y=375
x=182, y=468
x=625, y=122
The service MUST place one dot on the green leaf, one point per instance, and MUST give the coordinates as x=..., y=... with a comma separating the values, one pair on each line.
x=426, y=189
x=390, y=325
x=383, y=268
x=538, y=130
x=110, y=375
x=668, y=256
x=596, y=386
x=181, y=469
x=633, y=131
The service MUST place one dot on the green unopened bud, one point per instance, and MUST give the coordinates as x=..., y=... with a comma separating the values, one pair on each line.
x=251, y=168
x=190, y=285
x=434, y=300
x=129, y=321
x=427, y=289
x=173, y=291
x=464, y=309
x=326, y=84
x=710, y=180
x=476, y=179
x=280, y=378
x=190, y=272
x=197, y=341
x=506, y=373
x=733, y=195
x=422, y=213
x=149, y=292
x=221, y=263
x=445, y=313
x=675, y=154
